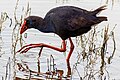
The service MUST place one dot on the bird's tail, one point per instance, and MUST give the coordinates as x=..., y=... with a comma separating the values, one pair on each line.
x=100, y=19
x=98, y=10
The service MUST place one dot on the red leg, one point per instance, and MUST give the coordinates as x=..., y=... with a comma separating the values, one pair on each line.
x=71, y=49
x=27, y=47
x=63, y=49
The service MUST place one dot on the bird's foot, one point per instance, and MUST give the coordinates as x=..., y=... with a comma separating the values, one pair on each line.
x=25, y=48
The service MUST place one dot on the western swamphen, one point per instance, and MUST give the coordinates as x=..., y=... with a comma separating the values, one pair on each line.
x=66, y=22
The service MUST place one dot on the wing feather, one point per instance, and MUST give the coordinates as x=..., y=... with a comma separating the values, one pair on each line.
x=76, y=23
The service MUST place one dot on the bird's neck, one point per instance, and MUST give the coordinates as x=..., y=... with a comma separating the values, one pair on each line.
x=46, y=27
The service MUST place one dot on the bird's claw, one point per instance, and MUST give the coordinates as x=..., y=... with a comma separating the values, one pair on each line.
x=23, y=51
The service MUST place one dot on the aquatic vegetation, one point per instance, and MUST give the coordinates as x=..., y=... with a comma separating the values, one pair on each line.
x=3, y=18
x=112, y=2
x=95, y=54
x=16, y=38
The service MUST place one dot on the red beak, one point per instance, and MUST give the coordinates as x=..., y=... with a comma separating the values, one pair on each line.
x=23, y=28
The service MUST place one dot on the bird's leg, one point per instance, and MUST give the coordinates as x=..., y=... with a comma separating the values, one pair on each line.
x=25, y=48
x=69, y=69
x=71, y=50
x=68, y=57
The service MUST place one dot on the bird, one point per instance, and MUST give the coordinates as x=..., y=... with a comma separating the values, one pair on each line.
x=66, y=22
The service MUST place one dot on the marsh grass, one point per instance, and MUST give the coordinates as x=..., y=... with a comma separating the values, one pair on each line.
x=112, y=2
x=94, y=53
x=3, y=18
x=16, y=37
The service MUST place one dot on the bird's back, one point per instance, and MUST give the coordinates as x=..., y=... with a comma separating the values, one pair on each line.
x=70, y=21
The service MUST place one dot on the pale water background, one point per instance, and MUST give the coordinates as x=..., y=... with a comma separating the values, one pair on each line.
x=40, y=8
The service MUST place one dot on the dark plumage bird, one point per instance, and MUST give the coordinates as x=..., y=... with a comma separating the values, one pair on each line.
x=66, y=22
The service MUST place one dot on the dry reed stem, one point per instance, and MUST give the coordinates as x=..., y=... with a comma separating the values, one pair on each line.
x=16, y=38
x=93, y=53
x=3, y=18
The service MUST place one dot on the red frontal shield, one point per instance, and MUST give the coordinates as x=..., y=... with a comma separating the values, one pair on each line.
x=23, y=28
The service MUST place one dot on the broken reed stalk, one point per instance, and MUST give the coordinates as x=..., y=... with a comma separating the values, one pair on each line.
x=112, y=2
x=16, y=38
x=103, y=50
x=14, y=41
x=3, y=18
x=8, y=69
x=16, y=29
x=114, y=45
x=15, y=34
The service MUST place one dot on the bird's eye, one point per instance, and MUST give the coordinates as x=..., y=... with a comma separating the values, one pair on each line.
x=27, y=21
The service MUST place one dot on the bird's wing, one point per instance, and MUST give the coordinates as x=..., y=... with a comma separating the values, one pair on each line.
x=76, y=23
x=72, y=18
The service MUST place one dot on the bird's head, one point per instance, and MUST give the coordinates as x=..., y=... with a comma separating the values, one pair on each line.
x=31, y=22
